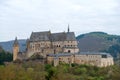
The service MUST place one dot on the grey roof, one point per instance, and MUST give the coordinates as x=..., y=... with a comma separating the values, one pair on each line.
x=16, y=42
x=59, y=54
x=47, y=36
x=40, y=36
x=83, y=53
x=94, y=53
x=70, y=36
x=58, y=36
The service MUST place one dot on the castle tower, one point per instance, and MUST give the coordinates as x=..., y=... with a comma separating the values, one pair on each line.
x=15, y=49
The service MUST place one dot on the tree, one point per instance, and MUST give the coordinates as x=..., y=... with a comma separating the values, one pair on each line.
x=5, y=57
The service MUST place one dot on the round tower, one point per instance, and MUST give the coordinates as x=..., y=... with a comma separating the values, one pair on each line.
x=15, y=49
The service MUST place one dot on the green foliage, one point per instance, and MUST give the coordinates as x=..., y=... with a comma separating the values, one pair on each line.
x=99, y=34
x=51, y=71
x=5, y=57
x=22, y=72
x=80, y=36
x=35, y=71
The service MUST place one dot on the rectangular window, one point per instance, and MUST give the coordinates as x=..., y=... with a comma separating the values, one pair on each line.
x=104, y=56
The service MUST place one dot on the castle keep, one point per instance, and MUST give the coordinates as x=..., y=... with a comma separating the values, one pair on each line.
x=44, y=43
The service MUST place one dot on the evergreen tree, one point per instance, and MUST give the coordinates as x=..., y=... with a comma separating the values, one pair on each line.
x=5, y=57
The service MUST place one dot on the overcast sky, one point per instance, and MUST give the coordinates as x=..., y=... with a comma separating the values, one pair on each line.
x=21, y=17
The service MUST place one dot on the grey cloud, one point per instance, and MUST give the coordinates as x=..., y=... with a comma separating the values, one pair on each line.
x=21, y=17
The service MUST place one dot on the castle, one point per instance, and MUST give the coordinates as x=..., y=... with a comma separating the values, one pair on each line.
x=59, y=47
x=44, y=43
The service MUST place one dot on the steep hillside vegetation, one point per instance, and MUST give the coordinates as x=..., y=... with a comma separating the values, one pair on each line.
x=36, y=71
x=99, y=41
x=1, y=49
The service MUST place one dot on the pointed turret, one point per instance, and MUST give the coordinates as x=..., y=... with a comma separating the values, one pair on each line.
x=16, y=42
x=15, y=49
x=68, y=28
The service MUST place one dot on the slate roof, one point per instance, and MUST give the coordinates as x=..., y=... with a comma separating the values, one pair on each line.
x=70, y=36
x=82, y=53
x=59, y=54
x=40, y=36
x=94, y=53
x=48, y=36
x=16, y=42
x=58, y=36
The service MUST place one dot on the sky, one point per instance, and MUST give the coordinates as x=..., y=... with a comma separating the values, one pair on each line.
x=19, y=18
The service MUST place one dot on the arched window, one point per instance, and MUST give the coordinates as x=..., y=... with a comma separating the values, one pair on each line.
x=69, y=51
x=42, y=50
x=54, y=51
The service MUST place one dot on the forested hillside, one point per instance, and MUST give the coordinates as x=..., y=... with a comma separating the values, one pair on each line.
x=1, y=49
x=8, y=45
x=99, y=42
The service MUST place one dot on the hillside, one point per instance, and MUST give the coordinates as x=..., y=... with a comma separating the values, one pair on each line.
x=7, y=46
x=1, y=49
x=99, y=41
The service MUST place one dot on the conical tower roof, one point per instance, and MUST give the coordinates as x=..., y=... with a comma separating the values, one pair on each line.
x=68, y=28
x=16, y=42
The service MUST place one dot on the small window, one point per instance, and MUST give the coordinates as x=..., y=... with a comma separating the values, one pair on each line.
x=54, y=51
x=69, y=51
x=104, y=56
x=59, y=58
x=42, y=50
x=33, y=46
x=68, y=58
x=39, y=45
